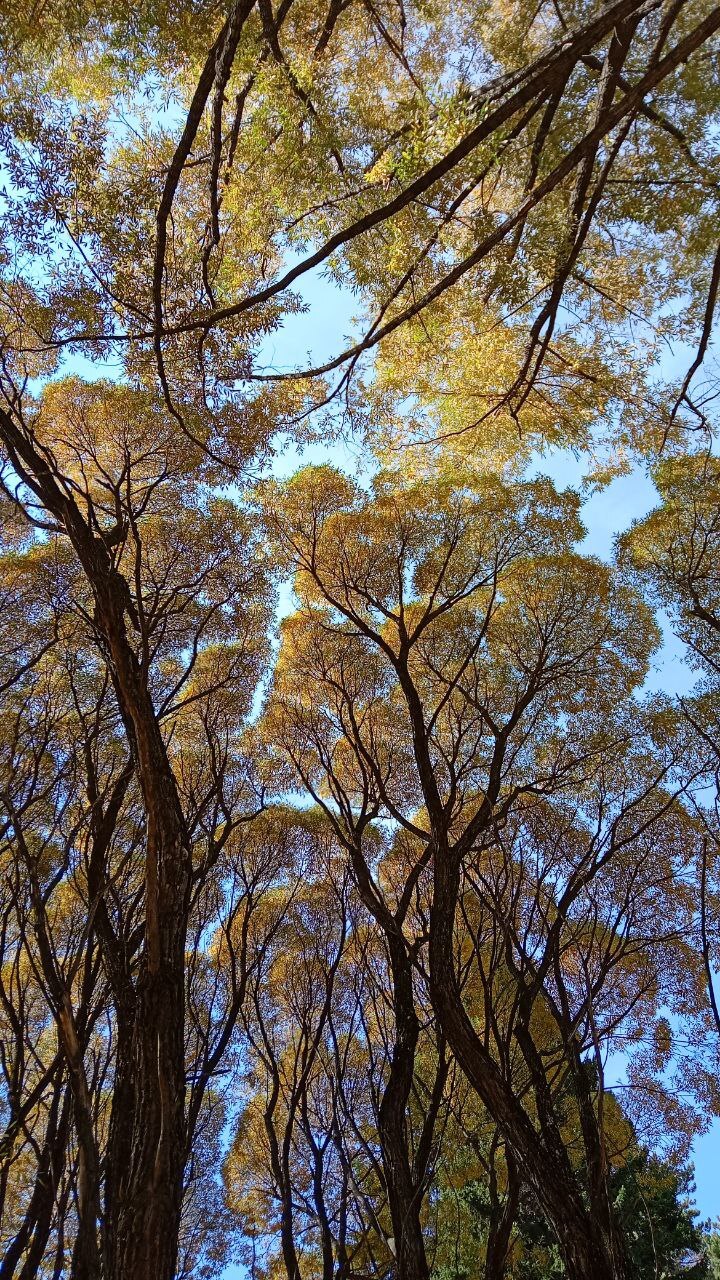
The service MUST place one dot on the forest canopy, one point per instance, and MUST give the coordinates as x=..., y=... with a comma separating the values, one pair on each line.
x=359, y=888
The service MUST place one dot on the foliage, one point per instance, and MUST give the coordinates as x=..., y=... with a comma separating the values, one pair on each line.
x=318, y=931
x=663, y=1237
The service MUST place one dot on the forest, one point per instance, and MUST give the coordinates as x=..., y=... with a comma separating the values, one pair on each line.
x=359, y=817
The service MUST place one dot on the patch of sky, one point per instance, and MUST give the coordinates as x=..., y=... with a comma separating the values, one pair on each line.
x=606, y=513
x=705, y=1148
x=312, y=334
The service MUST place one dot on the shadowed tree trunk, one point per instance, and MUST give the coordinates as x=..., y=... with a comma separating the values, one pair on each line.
x=404, y=1193
x=146, y=1148
x=588, y=1240
x=30, y=1242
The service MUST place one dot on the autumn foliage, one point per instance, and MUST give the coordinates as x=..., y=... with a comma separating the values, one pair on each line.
x=359, y=886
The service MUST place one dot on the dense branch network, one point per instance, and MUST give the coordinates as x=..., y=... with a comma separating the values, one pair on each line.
x=319, y=928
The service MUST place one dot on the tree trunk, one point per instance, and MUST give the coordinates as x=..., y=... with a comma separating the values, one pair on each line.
x=404, y=1190
x=31, y=1239
x=501, y=1220
x=147, y=1140
x=404, y=1196
x=145, y=1161
x=146, y=1153
x=543, y=1162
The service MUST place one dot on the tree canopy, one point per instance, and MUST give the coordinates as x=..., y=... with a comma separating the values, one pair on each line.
x=359, y=892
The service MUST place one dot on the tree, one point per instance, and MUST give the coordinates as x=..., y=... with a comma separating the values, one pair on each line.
x=652, y=1199
x=568, y=154
x=674, y=551
x=429, y=679
x=327, y=1062
x=662, y=1235
x=712, y=1253
x=169, y=709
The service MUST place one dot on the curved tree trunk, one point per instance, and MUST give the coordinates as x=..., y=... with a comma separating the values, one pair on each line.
x=589, y=1251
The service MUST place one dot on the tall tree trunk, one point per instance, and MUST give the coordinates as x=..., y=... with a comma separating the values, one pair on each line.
x=502, y=1219
x=147, y=1142
x=543, y=1161
x=144, y=1191
x=404, y=1189
x=145, y=1157
x=404, y=1195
